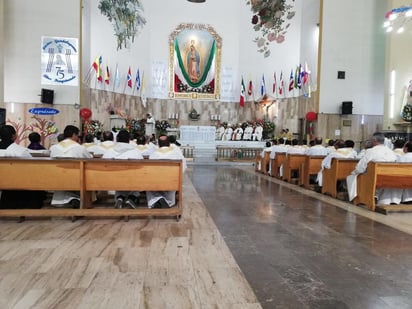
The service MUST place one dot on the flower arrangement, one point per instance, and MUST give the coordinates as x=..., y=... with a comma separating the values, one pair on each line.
x=193, y=115
x=269, y=18
x=94, y=127
x=268, y=127
x=406, y=113
x=126, y=17
x=162, y=126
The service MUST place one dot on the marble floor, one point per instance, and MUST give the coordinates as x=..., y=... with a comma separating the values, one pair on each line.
x=245, y=241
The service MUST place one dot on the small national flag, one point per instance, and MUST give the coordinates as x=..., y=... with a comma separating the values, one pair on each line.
x=281, y=84
x=296, y=77
x=250, y=89
x=300, y=77
x=262, y=87
x=116, y=78
x=129, y=79
x=242, y=94
x=291, y=81
x=274, y=83
x=142, y=92
x=137, y=80
x=305, y=74
x=97, y=65
x=107, y=76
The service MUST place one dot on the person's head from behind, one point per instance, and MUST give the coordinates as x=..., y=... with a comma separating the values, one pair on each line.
x=164, y=141
x=339, y=144
x=407, y=147
x=108, y=136
x=331, y=142
x=318, y=140
x=60, y=137
x=34, y=137
x=378, y=138
x=268, y=144
x=71, y=132
x=399, y=143
x=89, y=138
x=349, y=143
x=7, y=134
x=295, y=142
x=123, y=136
x=141, y=140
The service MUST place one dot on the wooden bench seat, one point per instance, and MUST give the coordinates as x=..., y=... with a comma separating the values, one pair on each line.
x=276, y=163
x=90, y=175
x=311, y=166
x=339, y=170
x=383, y=175
x=292, y=164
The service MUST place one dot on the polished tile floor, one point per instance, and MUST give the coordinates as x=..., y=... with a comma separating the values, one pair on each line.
x=246, y=241
x=300, y=249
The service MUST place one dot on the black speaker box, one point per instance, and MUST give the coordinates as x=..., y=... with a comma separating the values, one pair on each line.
x=347, y=108
x=47, y=96
x=2, y=116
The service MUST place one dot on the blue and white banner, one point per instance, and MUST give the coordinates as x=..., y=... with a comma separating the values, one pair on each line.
x=59, y=61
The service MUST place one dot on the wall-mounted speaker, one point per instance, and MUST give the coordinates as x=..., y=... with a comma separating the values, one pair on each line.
x=2, y=116
x=47, y=96
x=347, y=108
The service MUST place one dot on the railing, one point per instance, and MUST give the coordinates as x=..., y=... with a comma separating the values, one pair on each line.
x=227, y=153
x=188, y=152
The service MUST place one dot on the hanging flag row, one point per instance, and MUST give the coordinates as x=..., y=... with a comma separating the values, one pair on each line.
x=97, y=68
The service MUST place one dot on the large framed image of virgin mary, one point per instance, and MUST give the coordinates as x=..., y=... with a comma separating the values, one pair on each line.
x=195, y=52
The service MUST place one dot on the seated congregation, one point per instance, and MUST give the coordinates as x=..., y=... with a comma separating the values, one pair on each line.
x=286, y=159
x=114, y=146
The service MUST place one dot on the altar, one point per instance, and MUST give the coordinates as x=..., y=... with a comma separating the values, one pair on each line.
x=197, y=134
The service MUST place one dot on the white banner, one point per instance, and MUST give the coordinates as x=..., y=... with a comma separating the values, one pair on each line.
x=59, y=61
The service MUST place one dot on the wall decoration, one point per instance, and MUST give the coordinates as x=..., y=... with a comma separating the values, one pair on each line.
x=195, y=56
x=270, y=19
x=59, y=61
x=126, y=17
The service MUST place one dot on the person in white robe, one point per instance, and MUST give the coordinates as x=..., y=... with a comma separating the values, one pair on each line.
x=68, y=148
x=343, y=149
x=107, y=143
x=150, y=125
x=219, y=133
x=238, y=133
x=379, y=153
x=164, y=199
x=247, y=134
x=398, y=147
x=227, y=136
x=258, y=133
x=318, y=149
x=144, y=147
x=124, y=150
x=406, y=158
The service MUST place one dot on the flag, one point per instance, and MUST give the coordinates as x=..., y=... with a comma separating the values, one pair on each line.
x=137, y=80
x=281, y=84
x=129, y=78
x=305, y=74
x=262, y=87
x=300, y=77
x=116, y=78
x=274, y=83
x=242, y=94
x=291, y=81
x=142, y=92
x=296, y=77
x=250, y=89
x=107, y=76
x=97, y=65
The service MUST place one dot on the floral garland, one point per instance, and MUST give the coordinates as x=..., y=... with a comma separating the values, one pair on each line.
x=269, y=18
x=162, y=126
x=406, y=113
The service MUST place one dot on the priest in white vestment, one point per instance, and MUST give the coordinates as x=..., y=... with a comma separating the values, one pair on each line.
x=68, y=148
x=379, y=153
x=164, y=199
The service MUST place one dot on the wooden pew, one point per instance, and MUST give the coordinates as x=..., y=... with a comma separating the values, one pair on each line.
x=258, y=162
x=265, y=162
x=292, y=163
x=276, y=163
x=87, y=176
x=310, y=167
x=383, y=175
x=339, y=170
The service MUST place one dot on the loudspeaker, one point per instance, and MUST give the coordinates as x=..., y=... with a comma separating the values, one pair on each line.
x=347, y=108
x=2, y=116
x=47, y=96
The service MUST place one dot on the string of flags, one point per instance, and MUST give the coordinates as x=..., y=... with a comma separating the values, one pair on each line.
x=299, y=83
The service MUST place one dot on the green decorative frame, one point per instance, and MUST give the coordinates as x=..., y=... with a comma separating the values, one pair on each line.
x=194, y=62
